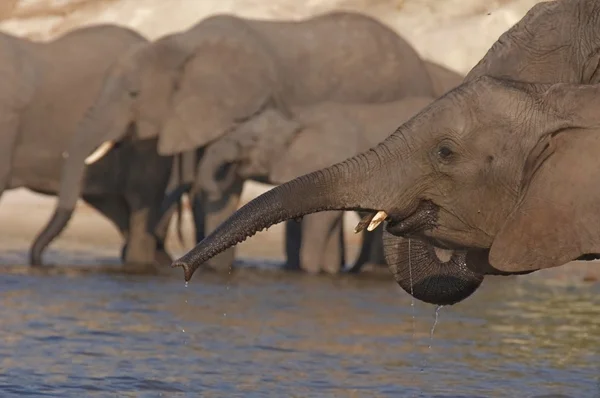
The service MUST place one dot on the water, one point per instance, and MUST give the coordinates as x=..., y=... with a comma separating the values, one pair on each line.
x=255, y=334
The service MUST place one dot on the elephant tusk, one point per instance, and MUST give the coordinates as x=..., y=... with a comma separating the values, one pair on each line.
x=99, y=152
x=362, y=224
x=378, y=219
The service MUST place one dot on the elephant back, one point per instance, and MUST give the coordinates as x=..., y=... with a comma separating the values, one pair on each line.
x=344, y=57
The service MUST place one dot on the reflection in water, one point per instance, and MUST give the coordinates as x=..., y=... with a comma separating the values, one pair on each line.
x=279, y=335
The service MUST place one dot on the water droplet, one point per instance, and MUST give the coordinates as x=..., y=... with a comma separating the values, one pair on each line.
x=183, y=330
x=186, y=284
x=435, y=321
x=224, y=314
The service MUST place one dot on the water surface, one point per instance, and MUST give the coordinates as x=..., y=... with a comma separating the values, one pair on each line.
x=273, y=334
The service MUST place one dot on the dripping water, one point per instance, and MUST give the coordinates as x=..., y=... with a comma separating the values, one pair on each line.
x=412, y=297
x=179, y=326
x=435, y=321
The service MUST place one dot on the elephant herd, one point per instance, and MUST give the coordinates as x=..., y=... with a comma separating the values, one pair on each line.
x=129, y=125
x=498, y=176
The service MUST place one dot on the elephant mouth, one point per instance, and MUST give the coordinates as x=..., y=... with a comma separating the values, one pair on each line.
x=424, y=218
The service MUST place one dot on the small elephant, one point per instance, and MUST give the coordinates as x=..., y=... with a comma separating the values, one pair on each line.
x=495, y=177
x=188, y=89
x=47, y=88
x=274, y=150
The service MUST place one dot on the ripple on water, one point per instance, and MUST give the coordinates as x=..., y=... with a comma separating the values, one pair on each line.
x=109, y=335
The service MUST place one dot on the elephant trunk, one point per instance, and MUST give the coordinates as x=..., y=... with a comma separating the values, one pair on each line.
x=432, y=275
x=70, y=188
x=84, y=149
x=350, y=185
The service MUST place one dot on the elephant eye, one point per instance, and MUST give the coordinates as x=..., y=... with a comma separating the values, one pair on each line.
x=444, y=152
x=134, y=93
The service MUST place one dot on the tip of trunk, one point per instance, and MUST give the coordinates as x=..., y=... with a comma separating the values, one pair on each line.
x=188, y=271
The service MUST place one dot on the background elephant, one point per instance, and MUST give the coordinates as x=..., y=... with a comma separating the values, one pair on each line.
x=496, y=177
x=315, y=243
x=190, y=88
x=274, y=150
x=46, y=90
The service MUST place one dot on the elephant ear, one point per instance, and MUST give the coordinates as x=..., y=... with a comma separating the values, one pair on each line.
x=558, y=218
x=328, y=137
x=223, y=84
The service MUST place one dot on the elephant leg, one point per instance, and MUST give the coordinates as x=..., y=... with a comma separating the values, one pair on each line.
x=114, y=208
x=199, y=215
x=371, y=250
x=161, y=231
x=293, y=243
x=216, y=212
x=117, y=211
x=145, y=190
x=334, y=256
x=322, y=246
x=376, y=255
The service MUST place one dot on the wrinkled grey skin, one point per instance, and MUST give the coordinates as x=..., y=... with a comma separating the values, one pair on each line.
x=274, y=150
x=508, y=139
x=45, y=90
x=190, y=88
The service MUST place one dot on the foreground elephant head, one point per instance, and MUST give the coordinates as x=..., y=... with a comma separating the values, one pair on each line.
x=488, y=179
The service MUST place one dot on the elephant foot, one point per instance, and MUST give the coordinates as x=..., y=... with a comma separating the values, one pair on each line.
x=291, y=267
x=134, y=263
x=333, y=268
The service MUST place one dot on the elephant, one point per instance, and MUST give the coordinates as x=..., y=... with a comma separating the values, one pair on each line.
x=189, y=88
x=316, y=243
x=46, y=89
x=272, y=149
x=554, y=42
x=496, y=177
